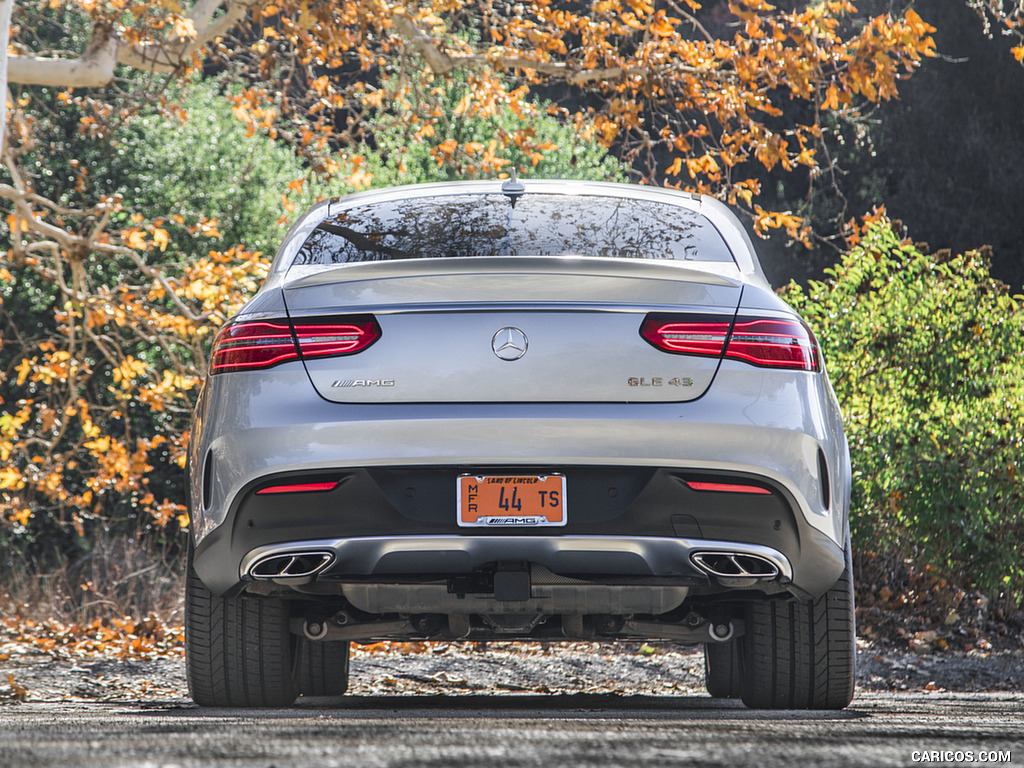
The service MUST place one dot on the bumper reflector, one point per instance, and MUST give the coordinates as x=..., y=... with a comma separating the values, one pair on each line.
x=298, y=488
x=728, y=488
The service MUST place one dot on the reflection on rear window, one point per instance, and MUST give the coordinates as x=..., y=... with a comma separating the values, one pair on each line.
x=454, y=226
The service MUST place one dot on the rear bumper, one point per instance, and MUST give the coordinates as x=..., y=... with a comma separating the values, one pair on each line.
x=602, y=560
x=324, y=529
x=580, y=556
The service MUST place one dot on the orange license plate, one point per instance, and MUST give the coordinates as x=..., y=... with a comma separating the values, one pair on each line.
x=511, y=500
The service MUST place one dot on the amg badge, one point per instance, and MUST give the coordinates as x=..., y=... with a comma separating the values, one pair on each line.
x=657, y=381
x=364, y=383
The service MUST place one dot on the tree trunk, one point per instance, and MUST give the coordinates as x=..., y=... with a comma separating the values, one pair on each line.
x=6, y=6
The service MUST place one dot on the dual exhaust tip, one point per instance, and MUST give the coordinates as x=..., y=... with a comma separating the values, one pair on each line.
x=290, y=565
x=735, y=565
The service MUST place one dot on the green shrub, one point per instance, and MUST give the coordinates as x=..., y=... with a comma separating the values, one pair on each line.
x=205, y=166
x=925, y=354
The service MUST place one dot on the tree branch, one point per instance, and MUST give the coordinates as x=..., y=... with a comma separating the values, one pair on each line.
x=169, y=57
x=95, y=67
x=437, y=59
x=72, y=243
x=693, y=21
x=6, y=6
x=442, y=63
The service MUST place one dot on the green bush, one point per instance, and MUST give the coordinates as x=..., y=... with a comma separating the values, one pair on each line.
x=205, y=166
x=925, y=354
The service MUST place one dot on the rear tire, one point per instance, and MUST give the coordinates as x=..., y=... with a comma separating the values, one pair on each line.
x=722, y=672
x=238, y=650
x=801, y=655
x=321, y=668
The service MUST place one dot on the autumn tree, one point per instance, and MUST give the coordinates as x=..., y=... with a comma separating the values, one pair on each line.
x=107, y=312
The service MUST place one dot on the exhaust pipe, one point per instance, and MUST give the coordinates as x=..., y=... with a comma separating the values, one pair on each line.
x=290, y=565
x=735, y=565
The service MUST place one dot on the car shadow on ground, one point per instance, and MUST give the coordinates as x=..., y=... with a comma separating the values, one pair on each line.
x=576, y=706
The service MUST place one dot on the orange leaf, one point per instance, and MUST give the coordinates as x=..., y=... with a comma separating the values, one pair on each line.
x=831, y=98
x=20, y=692
x=663, y=27
x=160, y=238
x=136, y=239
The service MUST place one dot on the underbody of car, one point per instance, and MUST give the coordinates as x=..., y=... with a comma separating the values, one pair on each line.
x=551, y=410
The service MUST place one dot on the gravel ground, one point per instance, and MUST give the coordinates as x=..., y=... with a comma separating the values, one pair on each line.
x=496, y=668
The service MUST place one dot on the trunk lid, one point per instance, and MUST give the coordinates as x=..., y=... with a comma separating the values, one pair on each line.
x=543, y=329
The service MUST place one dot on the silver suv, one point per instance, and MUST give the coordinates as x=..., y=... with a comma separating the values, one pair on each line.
x=491, y=410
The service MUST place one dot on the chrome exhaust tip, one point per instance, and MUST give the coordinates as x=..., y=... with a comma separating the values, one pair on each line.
x=290, y=565
x=735, y=565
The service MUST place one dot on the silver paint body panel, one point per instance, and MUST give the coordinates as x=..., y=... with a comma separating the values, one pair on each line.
x=751, y=421
x=582, y=315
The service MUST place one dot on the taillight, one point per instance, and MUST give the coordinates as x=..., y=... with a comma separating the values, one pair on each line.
x=255, y=344
x=773, y=343
x=330, y=337
x=703, y=335
x=251, y=345
x=762, y=341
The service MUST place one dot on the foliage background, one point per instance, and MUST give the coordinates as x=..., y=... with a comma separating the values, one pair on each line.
x=94, y=414
x=926, y=354
x=945, y=158
x=194, y=180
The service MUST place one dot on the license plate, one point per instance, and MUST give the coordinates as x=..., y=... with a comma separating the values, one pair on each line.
x=511, y=500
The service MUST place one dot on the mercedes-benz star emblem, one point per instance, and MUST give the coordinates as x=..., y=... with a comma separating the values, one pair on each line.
x=509, y=343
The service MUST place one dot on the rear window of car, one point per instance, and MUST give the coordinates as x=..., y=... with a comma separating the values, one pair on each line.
x=455, y=226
